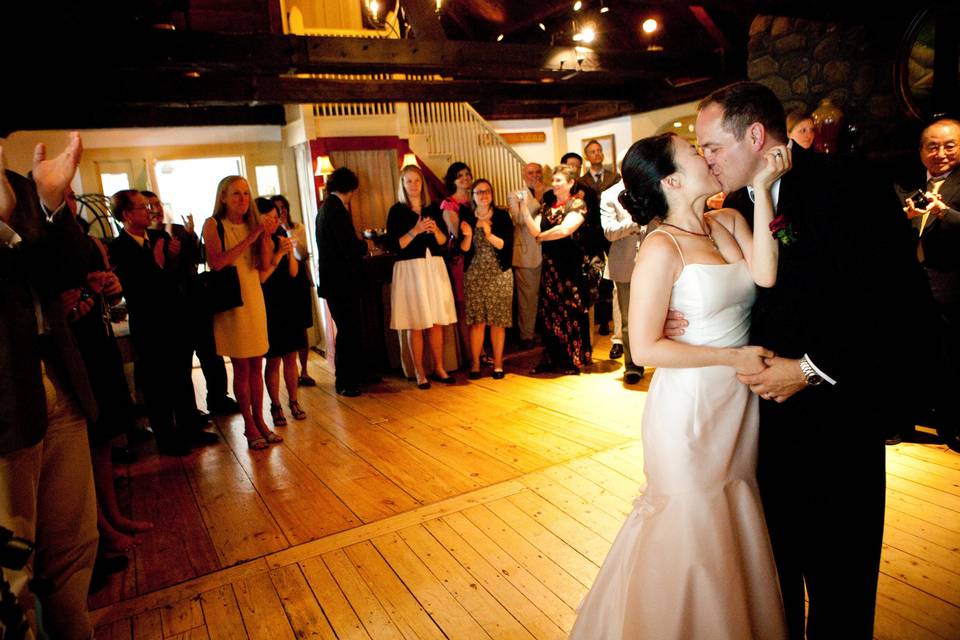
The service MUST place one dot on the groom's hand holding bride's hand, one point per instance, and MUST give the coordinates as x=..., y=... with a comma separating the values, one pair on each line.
x=751, y=360
x=781, y=379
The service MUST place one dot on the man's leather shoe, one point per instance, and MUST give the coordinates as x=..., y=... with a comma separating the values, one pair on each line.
x=123, y=455
x=225, y=406
x=893, y=439
x=174, y=448
x=103, y=568
x=526, y=344
x=543, y=367
x=348, y=392
x=604, y=329
x=616, y=350
x=633, y=376
x=200, y=438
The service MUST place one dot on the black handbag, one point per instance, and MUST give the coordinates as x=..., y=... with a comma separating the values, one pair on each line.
x=221, y=289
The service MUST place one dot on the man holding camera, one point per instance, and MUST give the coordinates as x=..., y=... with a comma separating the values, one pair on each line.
x=934, y=213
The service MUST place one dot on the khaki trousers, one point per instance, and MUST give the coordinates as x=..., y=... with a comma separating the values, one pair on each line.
x=527, y=283
x=47, y=495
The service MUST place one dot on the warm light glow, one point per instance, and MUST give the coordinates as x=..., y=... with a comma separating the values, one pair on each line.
x=374, y=7
x=324, y=166
x=650, y=25
x=677, y=124
x=499, y=37
x=542, y=26
x=577, y=5
x=588, y=34
x=409, y=159
x=604, y=9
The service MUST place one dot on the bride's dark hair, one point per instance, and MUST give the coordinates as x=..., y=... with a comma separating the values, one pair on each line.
x=647, y=162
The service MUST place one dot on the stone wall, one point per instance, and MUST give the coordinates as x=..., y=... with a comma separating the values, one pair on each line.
x=804, y=61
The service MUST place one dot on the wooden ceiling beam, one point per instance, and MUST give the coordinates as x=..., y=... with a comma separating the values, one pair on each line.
x=266, y=54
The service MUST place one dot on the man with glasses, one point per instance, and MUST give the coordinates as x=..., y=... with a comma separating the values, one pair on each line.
x=158, y=325
x=932, y=204
x=187, y=257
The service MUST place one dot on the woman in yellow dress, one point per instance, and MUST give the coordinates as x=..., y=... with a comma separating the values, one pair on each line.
x=241, y=333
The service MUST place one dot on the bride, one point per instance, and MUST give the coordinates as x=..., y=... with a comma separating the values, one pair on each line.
x=693, y=559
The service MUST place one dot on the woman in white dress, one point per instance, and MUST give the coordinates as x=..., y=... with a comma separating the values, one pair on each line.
x=693, y=559
x=421, y=299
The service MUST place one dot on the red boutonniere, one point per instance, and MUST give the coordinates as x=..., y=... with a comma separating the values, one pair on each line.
x=450, y=205
x=782, y=229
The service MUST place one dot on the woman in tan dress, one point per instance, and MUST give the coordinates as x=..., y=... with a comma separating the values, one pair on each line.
x=241, y=333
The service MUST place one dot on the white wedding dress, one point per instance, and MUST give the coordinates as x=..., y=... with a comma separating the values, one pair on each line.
x=693, y=560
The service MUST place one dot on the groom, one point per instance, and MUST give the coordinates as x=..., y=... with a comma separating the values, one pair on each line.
x=846, y=286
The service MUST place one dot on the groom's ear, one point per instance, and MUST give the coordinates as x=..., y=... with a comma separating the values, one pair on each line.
x=757, y=135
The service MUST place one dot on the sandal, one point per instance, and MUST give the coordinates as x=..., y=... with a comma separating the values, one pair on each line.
x=297, y=412
x=276, y=412
x=271, y=437
x=259, y=443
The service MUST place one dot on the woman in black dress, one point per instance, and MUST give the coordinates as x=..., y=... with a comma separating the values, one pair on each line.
x=285, y=331
x=563, y=305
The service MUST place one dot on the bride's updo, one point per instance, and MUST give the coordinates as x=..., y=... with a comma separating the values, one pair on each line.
x=647, y=162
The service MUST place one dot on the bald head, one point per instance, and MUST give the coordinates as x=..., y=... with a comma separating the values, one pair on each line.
x=940, y=146
x=532, y=174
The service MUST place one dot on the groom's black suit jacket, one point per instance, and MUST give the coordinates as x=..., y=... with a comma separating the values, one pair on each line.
x=844, y=292
x=850, y=283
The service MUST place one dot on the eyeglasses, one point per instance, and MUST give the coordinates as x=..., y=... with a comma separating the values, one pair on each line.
x=949, y=148
x=480, y=192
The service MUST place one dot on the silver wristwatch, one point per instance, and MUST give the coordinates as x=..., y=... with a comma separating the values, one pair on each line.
x=813, y=378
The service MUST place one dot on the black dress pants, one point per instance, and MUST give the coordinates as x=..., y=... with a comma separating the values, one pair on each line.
x=347, y=312
x=821, y=472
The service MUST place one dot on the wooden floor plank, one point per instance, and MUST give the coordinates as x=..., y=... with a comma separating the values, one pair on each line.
x=494, y=582
x=590, y=544
x=163, y=489
x=931, y=533
x=939, y=455
x=462, y=585
x=451, y=617
x=366, y=491
x=374, y=617
x=942, y=499
x=343, y=619
x=606, y=477
x=923, y=509
x=263, y=616
x=923, y=610
x=303, y=611
x=610, y=503
x=890, y=626
x=291, y=492
x=148, y=626
x=578, y=503
x=222, y=614
x=498, y=554
x=238, y=521
x=917, y=544
x=404, y=610
x=182, y=616
x=536, y=549
x=921, y=573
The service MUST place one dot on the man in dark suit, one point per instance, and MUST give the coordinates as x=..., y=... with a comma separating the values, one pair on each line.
x=340, y=278
x=936, y=228
x=597, y=176
x=184, y=267
x=46, y=479
x=158, y=326
x=845, y=284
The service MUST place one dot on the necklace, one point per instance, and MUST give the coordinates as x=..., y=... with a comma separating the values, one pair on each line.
x=693, y=233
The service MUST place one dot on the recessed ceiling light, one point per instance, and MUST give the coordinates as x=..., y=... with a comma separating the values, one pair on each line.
x=650, y=25
x=542, y=26
x=577, y=5
x=499, y=37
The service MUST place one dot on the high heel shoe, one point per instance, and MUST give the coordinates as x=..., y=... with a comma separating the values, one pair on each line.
x=436, y=378
x=276, y=413
x=297, y=412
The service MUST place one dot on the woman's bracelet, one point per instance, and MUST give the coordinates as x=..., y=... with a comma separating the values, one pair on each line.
x=411, y=234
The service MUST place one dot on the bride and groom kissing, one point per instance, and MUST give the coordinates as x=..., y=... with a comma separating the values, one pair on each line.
x=763, y=433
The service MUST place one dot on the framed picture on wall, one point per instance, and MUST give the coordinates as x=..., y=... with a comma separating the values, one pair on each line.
x=609, y=146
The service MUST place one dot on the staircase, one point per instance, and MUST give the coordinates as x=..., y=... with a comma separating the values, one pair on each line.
x=440, y=133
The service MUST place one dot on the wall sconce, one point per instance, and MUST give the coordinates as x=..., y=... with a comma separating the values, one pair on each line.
x=409, y=159
x=324, y=166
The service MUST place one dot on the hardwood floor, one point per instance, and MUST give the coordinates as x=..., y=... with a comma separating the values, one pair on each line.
x=472, y=511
